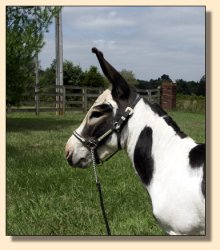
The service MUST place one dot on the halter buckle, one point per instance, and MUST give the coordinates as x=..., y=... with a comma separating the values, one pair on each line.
x=129, y=110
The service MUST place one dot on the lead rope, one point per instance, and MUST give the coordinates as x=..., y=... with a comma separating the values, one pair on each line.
x=98, y=185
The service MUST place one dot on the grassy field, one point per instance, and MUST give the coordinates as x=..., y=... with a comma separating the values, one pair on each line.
x=47, y=197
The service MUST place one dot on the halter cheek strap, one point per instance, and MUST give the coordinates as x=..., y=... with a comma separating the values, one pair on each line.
x=93, y=143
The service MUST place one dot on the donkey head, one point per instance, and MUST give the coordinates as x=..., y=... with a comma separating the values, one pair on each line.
x=101, y=117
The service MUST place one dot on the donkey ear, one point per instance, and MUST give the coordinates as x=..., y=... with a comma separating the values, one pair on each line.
x=120, y=88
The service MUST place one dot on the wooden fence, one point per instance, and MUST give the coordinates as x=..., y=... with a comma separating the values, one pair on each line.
x=67, y=98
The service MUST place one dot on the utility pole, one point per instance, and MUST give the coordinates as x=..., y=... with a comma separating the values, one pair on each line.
x=36, y=84
x=36, y=88
x=59, y=64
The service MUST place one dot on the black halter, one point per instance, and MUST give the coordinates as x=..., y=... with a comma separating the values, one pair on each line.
x=93, y=143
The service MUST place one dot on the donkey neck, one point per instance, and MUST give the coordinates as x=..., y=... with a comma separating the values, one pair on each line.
x=163, y=145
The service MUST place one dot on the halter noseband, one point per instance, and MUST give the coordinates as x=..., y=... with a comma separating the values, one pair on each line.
x=92, y=143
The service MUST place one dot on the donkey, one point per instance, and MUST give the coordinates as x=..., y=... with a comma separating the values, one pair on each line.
x=169, y=163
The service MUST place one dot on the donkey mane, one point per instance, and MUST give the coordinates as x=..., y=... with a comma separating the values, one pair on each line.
x=162, y=113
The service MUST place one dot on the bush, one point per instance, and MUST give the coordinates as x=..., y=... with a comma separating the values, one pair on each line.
x=191, y=103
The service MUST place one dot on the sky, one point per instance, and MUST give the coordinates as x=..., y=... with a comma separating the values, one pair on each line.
x=150, y=41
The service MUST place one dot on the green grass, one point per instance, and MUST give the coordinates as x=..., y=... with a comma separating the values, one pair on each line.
x=47, y=197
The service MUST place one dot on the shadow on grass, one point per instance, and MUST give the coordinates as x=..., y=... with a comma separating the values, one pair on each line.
x=20, y=124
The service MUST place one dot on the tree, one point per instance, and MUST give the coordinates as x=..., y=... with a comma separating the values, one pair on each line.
x=182, y=87
x=191, y=87
x=24, y=39
x=202, y=86
x=165, y=77
x=129, y=77
x=203, y=79
x=72, y=74
x=93, y=78
x=48, y=76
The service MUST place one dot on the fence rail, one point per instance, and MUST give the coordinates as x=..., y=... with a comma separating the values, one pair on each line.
x=65, y=98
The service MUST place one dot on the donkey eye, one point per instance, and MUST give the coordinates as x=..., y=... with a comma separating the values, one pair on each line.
x=95, y=114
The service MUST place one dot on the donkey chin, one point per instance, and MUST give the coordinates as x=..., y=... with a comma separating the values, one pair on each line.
x=82, y=163
x=78, y=162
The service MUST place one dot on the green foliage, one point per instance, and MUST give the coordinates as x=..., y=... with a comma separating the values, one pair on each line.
x=191, y=87
x=165, y=77
x=24, y=38
x=47, y=77
x=129, y=77
x=202, y=86
x=93, y=78
x=72, y=74
x=153, y=83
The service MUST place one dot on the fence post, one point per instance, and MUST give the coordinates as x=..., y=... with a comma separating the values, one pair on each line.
x=84, y=99
x=36, y=84
x=64, y=99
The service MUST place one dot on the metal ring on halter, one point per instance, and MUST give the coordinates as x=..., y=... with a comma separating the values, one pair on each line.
x=91, y=143
x=116, y=126
x=130, y=110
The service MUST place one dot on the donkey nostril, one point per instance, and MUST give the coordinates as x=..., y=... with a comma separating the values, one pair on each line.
x=69, y=158
x=67, y=153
